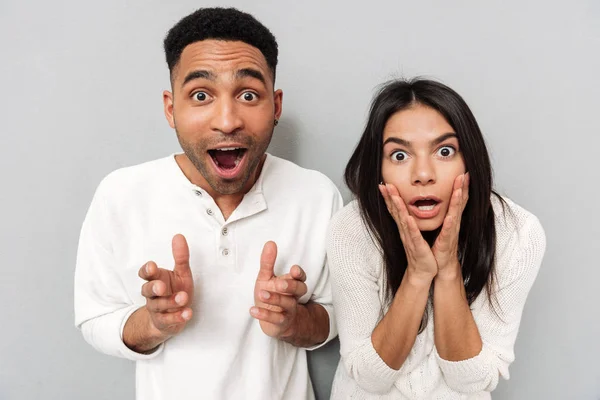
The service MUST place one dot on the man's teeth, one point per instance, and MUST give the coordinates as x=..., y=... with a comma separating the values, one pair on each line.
x=229, y=148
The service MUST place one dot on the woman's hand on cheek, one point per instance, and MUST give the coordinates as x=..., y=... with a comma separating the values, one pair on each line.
x=421, y=261
x=445, y=248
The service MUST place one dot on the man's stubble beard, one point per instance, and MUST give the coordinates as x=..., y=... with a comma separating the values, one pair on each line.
x=198, y=156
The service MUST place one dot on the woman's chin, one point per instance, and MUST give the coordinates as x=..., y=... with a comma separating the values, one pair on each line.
x=427, y=225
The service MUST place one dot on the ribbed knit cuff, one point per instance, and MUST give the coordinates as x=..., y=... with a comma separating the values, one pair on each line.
x=472, y=374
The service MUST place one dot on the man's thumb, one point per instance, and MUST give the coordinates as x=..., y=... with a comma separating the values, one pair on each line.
x=181, y=253
x=267, y=261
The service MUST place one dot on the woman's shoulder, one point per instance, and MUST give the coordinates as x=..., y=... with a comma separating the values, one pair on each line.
x=347, y=215
x=348, y=232
x=513, y=218
x=518, y=231
x=348, y=223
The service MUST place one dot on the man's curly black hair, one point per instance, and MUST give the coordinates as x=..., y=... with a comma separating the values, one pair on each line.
x=222, y=24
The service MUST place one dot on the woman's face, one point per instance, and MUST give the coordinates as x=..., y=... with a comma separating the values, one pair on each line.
x=422, y=159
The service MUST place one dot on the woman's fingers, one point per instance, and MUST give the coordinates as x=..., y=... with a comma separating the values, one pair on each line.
x=399, y=212
x=394, y=212
x=465, y=188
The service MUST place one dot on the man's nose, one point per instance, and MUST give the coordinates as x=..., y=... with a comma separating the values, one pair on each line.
x=226, y=118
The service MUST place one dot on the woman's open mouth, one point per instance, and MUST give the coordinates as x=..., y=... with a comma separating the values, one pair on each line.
x=228, y=161
x=425, y=207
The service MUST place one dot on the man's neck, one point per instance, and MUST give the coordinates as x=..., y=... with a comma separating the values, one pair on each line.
x=227, y=203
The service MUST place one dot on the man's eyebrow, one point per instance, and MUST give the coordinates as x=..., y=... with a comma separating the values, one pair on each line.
x=406, y=143
x=250, y=73
x=198, y=74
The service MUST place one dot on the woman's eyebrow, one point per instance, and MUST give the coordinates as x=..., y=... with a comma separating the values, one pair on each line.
x=443, y=137
x=397, y=141
x=408, y=144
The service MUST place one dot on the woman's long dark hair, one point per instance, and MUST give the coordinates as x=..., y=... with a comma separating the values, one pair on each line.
x=477, y=238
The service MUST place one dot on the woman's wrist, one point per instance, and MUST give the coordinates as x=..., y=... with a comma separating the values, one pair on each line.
x=450, y=273
x=418, y=279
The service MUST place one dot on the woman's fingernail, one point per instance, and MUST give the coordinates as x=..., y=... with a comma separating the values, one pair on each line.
x=179, y=298
x=186, y=314
x=265, y=295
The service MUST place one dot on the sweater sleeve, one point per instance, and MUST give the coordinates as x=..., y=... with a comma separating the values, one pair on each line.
x=498, y=323
x=354, y=261
x=102, y=305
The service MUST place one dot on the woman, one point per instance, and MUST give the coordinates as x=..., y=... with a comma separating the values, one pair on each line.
x=430, y=268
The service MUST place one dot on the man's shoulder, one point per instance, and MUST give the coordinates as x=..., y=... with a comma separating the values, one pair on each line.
x=290, y=176
x=135, y=177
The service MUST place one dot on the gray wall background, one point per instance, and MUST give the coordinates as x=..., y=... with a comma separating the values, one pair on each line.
x=81, y=96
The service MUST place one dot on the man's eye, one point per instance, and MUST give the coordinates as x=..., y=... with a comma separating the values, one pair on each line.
x=200, y=96
x=446, y=151
x=399, y=156
x=249, y=96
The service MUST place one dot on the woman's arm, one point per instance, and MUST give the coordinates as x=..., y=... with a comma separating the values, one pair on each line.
x=375, y=346
x=394, y=336
x=475, y=345
x=456, y=335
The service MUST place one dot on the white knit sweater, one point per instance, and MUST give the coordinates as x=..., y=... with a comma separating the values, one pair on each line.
x=358, y=284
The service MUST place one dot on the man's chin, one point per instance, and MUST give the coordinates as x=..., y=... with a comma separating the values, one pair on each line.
x=226, y=187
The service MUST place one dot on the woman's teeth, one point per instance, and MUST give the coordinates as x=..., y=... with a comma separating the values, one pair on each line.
x=426, y=208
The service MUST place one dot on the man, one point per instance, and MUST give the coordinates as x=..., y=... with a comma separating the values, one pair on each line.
x=237, y=288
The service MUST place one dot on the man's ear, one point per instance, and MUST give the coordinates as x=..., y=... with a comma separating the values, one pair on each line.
x=278, y=101
x=168, y=107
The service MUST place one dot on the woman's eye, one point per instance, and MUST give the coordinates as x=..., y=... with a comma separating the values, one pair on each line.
x=249, y=96
x=200, y=96
x=399, y=156
x=446, y=151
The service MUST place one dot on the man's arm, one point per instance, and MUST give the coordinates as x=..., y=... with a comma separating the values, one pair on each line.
x=277, y=308
x=168, y=296
x=302, y=325
x=312, y=325
x=101, y=302
x=140, y=335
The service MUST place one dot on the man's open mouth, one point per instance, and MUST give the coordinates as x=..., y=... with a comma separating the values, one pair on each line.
x=227, y=158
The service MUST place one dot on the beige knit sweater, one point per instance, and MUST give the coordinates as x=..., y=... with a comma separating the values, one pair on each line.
x=358, y=284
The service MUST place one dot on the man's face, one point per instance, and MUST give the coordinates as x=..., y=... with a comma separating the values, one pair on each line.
x=223, y=109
